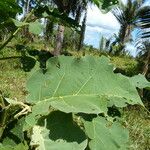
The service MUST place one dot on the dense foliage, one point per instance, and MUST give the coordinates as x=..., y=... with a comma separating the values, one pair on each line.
x=8, y=9
x=73, y=102
x=70, y=107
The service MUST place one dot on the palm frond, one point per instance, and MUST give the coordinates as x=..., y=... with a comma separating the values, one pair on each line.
x=119, y=14
x=143, y=21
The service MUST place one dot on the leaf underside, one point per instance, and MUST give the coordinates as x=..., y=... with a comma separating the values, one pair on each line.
x=58, y=131
x=78, y=85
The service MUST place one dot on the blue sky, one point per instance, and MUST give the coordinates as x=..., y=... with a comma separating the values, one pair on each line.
x=99, y=24
x=103, y=24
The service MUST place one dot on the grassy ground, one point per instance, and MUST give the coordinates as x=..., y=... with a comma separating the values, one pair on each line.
x=12, y=77
x=138, y=123
x=12, y=84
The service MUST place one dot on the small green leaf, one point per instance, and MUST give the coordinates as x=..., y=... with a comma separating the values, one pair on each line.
x=35, y=27
x=106, y=5
x=14, y=134
x=18, y=129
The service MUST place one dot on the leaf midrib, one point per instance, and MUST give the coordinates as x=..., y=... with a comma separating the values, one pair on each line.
x=86, y=95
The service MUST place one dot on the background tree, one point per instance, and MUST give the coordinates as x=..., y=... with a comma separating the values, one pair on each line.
x=82, y=32
x=67, y=7
x=125, y=14
x=8, y=10
x=143, y=42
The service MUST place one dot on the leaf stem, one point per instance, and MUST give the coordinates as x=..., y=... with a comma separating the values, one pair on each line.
x=11, y=57
x=17, y=30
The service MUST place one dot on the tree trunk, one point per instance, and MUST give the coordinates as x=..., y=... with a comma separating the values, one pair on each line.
x=145, y=71
x=102, y=44
x=59, y=40
x=48, y=30
x=78, y=15
x=26, y=8
x=146, y=66
x=25, y=32
x=83, y=28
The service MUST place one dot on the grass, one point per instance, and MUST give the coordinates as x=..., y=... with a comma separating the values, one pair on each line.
x=125, y=65
x=12, y=77
x=12, y=84
x=138, y=123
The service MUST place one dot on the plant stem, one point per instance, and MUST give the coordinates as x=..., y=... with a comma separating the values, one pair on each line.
x=2, y=117
x=11, y=57
x=18, y=29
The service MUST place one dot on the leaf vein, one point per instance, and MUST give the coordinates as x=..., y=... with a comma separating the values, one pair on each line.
x=59, y=83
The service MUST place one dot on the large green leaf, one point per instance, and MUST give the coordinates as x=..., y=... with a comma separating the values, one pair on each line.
x=58, y=132
x=84, y=85
x=105, y=136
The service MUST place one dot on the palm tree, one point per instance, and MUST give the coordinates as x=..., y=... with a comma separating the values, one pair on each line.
x=49, y=21
x=143, y=21
x=82, y=32
x=125, y=14
x=143, y=42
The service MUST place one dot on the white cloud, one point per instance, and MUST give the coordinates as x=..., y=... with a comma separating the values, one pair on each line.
x=99, y=24
x=92, y=36
x=95, y=18
x=124, y=1
x=94, y=29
